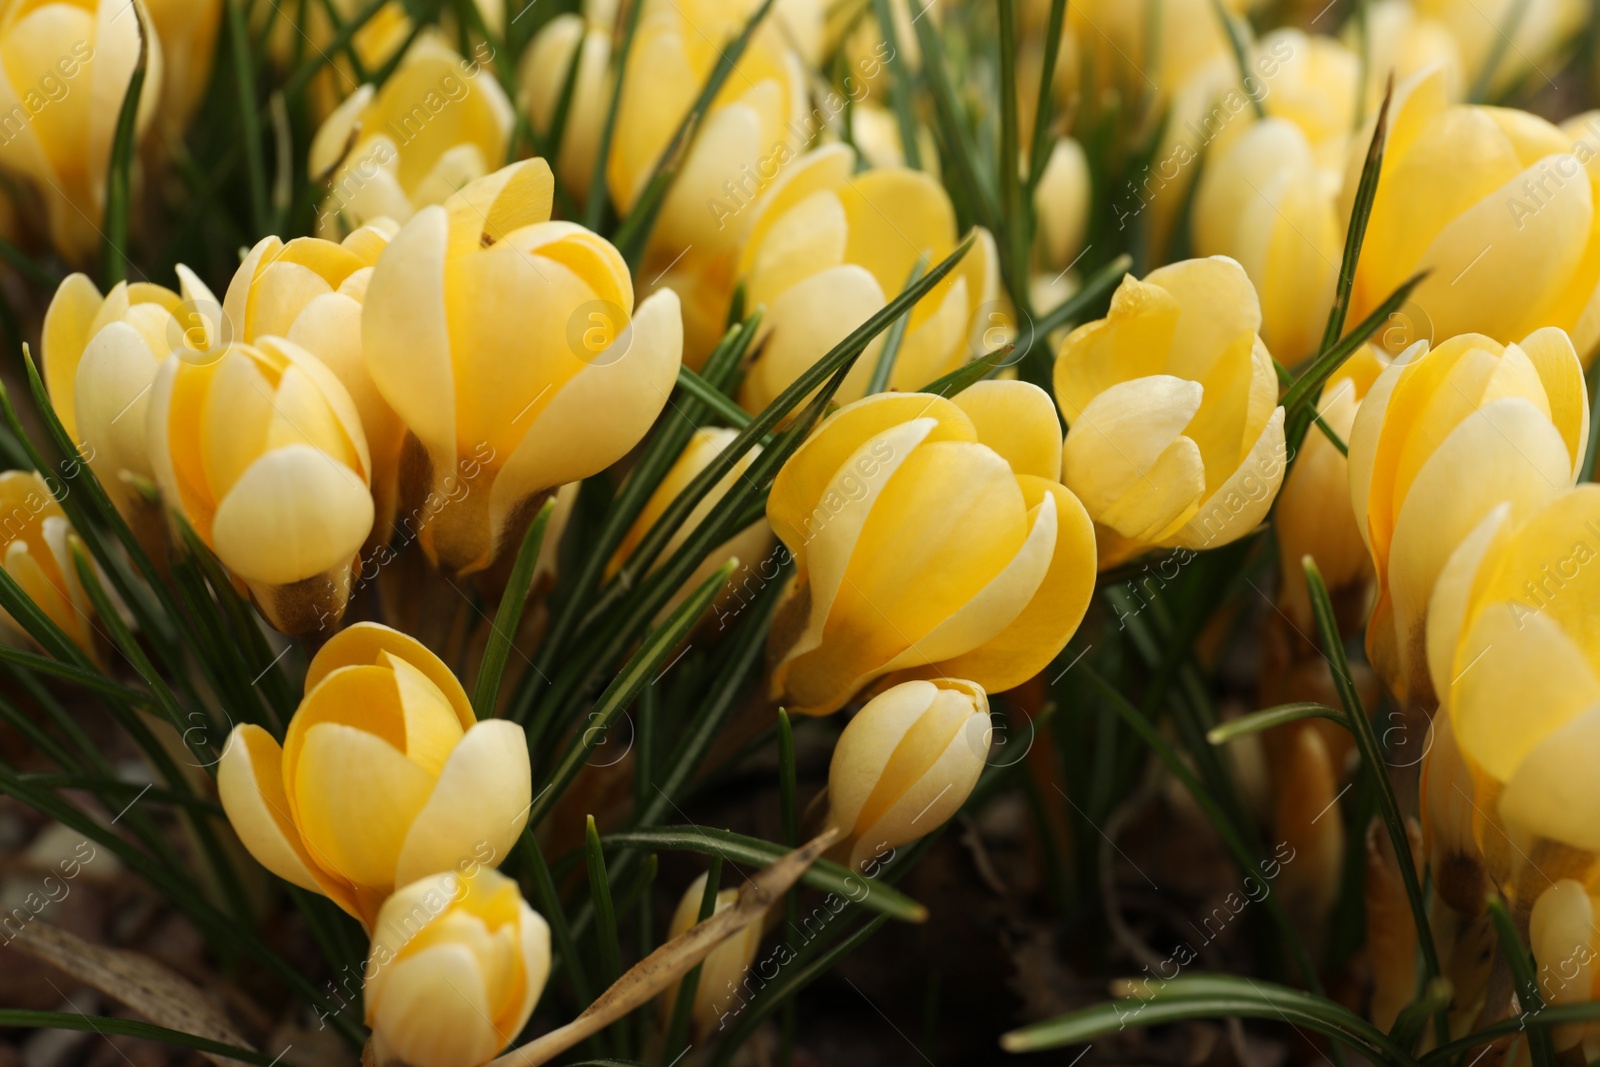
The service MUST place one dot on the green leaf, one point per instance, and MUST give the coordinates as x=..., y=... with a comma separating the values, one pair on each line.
x=1241, y=58
x=1267, y=718
x=1102, y=282
x=897, y=331
x=103, y=1025
x=1524, y=972
x=713, y=398
x=1372, y=763
x=620, y=693
x=595, y=205
x=606, y=918
x=1412, y=1021
x=1248, y=999
x=549, y=901
x=250, y=114
x=824, y=875
x=1505, y=34
x=503, y=631
x=1356, y=231
x=1015, y=239
x=969, y=374
x=1039, y=153
x=959, y=152
x=1299, y=402
x=901, y=91
x=119, y=173
x=301, y=78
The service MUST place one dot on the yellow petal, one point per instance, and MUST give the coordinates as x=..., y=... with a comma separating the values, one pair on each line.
x=1242, y=502
x=293, y=514
x=1125, y=457
x=371, y=644
x=250, y=786
x=1553, y=792
x=478, y=806
x=434, y=1010
x=63, y=337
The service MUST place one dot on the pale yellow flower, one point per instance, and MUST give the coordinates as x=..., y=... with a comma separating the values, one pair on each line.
x=34, y=552
x=510, y=347
x=906, y=763
x=187, y=30
x=1061, y=202
x=1561, y=933
x=64, y=71
x=100, y=357
x=260, y=448
x=721, y=989
x=385, y=776
x=457, y=963
x=826, y=249
x=309, y=292
x=1176, y=435
x=932, y=539
x=439, y=122
x=1442, y=438
x=1497, y=205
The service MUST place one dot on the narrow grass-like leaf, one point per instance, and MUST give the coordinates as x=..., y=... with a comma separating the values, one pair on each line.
x=301, y=78
x=1241, y=58
x=1552, y=1015
x=1505, y=34
x=620, y=693
x=969, y=374
x=503, y=631
x=38, y=625
x=1039, y=150
x=549, y=902
x=683, y=1002
x=1525, y=974
x=789, y=815
x=1300, y=401
x=713, y=398
x=605, y=919
x=40, y=738
x=1085, y=1026
x=563, y=109
x=1373, y=763
x=960, y=154
x=104, y=1025
x=634, y=234
x=1267, y=718
x=1016, y=238
x=1592, y=449
x=901, y=90
x=594, y=207
x=1356, y=229
x=1412, y=1022
x=897, y=332
x=119, y=173
x=250, y=115
x=736, y=848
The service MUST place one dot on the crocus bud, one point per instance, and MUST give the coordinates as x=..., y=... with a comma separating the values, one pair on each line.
x=384, y=776
x=438, y=123
x=260, y=448
x=749, y=545
x=1561, y=933
x=541, y=78
x=1176, y=435
x=899, y=487
x=827, y=249
x=720, y=990
x=906, y=763
x=1515, y=246
x=1062, y=202
x=1442, y=437
x=63, y=146
x=510, y=347
x=100, y=357
x=1314, y=518
x=35, y=554
x=456, y=966
x=309, y=292
x=187, y=30
x=1512, y=645
x=875, y=132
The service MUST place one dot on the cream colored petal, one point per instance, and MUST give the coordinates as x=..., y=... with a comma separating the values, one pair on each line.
x=864, y=748
x=63, y=337
x=1133, y=341
x=434, y=1010
x=480, y=801
x=1551, y=352
x=935, y=796
x=118, y=371
x=406, y=335
x=357, y=796
x=372, y=643
x=1506, y=452
x=567, y=442
x=1553, y=793
x=1114, y=446
x=1366, y=432
x=1216, y=304
x=1017, y=420
x=250, y=786
x=293, y=514
x=1452, y=595
x=334, y=136
x=806, y=240
x=1242, y=502
x=1519, y=679
x=804, y=323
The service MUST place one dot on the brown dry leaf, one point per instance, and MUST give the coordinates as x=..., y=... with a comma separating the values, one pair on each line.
x=140, y=983
x=672, y=960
